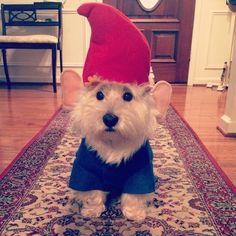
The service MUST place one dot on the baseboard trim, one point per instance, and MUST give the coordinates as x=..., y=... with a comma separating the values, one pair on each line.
x=230, y=135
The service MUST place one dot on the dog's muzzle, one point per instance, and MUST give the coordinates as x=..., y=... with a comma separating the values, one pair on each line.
x=110, y=120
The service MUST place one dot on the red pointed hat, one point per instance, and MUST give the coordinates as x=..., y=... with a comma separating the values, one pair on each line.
x=118, y=50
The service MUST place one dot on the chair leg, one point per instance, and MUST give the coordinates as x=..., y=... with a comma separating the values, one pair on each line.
x=61, y=61
x=54, y=68
x=4, y=56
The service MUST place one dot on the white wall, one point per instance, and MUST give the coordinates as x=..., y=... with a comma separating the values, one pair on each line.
x=212, y=41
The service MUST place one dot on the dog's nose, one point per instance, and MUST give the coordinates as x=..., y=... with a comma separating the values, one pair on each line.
x=110, y=120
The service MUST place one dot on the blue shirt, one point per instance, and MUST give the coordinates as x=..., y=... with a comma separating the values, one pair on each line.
x=134, y=176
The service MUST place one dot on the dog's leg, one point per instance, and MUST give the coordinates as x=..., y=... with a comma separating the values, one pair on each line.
x=134, y=206
x=93, y=203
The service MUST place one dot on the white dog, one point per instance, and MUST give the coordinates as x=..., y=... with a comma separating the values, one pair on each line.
x=115, y=122
x=114, y=112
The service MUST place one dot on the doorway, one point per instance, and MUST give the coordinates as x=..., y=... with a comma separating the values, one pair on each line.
x=167, y=25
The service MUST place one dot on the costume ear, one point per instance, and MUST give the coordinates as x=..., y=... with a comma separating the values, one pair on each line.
x=161, y=93
x=71, y=83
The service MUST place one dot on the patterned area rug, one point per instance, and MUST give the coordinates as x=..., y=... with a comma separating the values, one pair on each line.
x=193, y=196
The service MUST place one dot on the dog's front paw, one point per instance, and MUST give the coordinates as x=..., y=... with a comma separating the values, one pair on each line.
x=133, y=206
x=92, y=211
x=137, y=214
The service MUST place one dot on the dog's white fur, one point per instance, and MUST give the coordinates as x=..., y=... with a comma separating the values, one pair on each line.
x=137, y=119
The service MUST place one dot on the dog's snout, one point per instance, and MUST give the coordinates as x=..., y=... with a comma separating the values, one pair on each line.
x=110, y=120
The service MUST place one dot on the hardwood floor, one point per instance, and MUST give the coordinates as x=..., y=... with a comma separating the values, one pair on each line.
x=25, y=109
x=202, y=108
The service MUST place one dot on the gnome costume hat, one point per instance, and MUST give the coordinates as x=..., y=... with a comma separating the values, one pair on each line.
x=118, y=50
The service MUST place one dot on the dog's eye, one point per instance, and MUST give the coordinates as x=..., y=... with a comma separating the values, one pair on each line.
x=100, y=95
x=127, y=96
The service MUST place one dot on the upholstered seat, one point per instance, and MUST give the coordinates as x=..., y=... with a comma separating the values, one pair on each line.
x=36, y=38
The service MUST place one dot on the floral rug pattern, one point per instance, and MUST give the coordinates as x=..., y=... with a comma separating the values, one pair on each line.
x=191, y=196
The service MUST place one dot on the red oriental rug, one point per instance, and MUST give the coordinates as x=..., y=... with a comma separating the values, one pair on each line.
x=193, y=196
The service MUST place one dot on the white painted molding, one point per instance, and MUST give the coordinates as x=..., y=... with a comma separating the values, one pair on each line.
x=68, y=64
x=42, y=77
x=205, y=81
x=195, y=42
x=227, y=123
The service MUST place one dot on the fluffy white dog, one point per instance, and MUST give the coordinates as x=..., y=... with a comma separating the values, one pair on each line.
x=115, y=122
x=114, y=112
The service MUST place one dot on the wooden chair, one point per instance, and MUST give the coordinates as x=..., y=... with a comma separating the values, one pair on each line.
x=24, y=15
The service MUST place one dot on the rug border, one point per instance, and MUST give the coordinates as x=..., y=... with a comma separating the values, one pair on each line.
x=32, y=140
x=210, y=156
